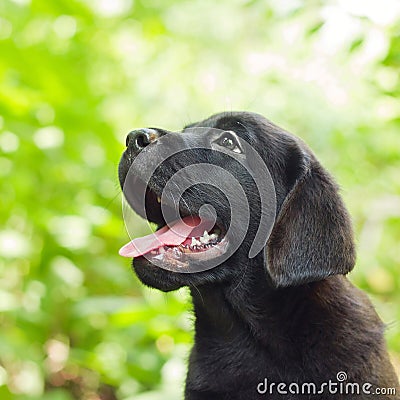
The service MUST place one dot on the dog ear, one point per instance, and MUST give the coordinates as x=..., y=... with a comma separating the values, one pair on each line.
x=312, y=237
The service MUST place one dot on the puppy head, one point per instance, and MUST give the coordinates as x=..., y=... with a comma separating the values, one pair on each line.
x=311, y=233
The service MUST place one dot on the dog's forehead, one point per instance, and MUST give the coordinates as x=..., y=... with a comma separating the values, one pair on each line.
x=246, y=125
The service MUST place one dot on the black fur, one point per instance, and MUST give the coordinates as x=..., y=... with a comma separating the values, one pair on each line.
x=289, y=314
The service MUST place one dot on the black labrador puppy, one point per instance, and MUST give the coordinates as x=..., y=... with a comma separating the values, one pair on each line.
x=284, y=323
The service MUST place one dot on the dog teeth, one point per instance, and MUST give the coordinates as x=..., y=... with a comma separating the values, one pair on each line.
x=158, y=199
x=205, y=238
x=195, y=242
x=177, y=253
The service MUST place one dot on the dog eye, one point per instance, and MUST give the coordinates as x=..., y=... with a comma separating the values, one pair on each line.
x=230, y=142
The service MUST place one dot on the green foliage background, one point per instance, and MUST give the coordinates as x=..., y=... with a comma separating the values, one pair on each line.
x=77, y=75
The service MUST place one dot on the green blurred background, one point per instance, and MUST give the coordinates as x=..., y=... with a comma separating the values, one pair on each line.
x=77, y=75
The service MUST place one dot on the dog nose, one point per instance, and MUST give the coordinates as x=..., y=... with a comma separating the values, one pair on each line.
x=140, y=138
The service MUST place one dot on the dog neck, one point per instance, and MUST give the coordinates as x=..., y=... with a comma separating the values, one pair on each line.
x=248, y=310
x=280, y=330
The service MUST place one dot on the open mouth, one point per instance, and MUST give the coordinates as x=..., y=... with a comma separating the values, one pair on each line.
x=176, y=243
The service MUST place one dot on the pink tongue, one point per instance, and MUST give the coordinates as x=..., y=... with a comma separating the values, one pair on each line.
x=173, y=235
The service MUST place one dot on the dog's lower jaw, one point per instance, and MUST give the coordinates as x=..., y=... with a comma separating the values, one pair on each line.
x=302, y=334
x=155, y=277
